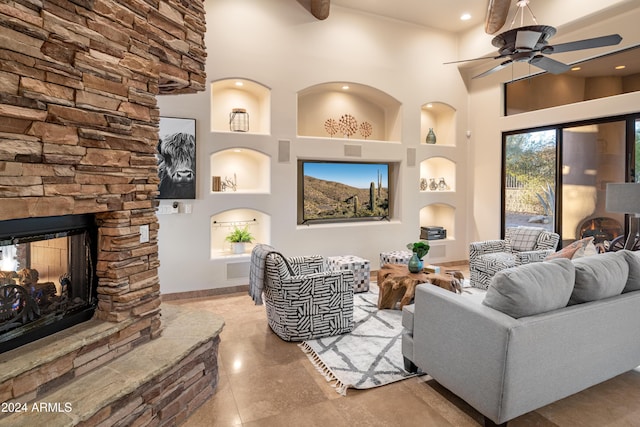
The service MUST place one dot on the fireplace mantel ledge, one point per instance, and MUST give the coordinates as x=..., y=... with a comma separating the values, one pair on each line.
x=185, y=332
x=52, y=347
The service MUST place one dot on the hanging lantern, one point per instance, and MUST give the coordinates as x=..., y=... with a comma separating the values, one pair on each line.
x=239, y=120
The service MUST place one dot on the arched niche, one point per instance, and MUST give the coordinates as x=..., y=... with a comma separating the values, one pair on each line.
x=441, y=118
x=439, y=214
x=255, y=98
x=250, y=169
x=332, y=101
x=437, y=169
x=223, y=223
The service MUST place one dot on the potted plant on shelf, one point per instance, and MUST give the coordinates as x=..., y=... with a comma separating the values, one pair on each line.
x=238, y=237
x=419, y=249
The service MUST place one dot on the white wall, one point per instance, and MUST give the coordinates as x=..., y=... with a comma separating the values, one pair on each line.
x=282, y=46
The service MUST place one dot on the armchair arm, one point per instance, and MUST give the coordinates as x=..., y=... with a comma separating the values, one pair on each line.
x=527, y=257
x=302, y=265
x=486, y=247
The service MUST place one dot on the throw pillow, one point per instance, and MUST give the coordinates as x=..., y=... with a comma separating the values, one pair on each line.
x=570, y=251
x=522, y=238
x=531, y=288
x=633, y=260
x=598, y=277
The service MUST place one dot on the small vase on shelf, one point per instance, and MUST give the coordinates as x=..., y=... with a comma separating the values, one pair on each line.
x=431, y=137
x=415, y=264
x=442, y=185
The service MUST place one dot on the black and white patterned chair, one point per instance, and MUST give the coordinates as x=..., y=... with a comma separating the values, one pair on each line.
x=304, y=300
x=521, y=245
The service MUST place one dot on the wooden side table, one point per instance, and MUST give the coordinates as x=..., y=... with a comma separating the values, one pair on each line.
x=396, y=283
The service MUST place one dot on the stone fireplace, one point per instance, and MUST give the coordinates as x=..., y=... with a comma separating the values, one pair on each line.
x=78, y=135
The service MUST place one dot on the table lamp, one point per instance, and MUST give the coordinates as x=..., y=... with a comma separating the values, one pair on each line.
x=625, y=198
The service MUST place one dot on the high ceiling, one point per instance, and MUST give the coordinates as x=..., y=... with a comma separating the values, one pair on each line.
x=441, y=14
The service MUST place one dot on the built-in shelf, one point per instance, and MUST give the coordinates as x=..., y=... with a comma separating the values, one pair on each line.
x=249, y=169
x=232, y=93
x=344, y=111
x=441, y=118
x=223, y=223
x=439, y=214
x=435, y=171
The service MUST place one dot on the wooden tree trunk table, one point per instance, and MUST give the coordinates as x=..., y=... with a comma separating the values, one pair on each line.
x=396, y=283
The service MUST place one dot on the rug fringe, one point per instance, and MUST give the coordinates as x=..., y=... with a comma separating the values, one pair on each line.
x=320, y=366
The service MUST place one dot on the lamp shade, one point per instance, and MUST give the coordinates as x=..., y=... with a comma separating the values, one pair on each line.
x=623, y=197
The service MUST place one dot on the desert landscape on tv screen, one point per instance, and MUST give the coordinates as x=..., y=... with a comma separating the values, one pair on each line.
x=345, y=190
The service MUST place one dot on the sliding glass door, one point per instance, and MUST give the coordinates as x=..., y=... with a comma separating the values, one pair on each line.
x=556, y=178
x=592, y=156
x=530, y=179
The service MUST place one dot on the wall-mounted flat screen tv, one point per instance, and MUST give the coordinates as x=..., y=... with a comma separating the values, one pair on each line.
x=339, y=191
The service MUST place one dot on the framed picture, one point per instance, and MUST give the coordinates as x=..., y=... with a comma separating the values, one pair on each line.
x=177, y=158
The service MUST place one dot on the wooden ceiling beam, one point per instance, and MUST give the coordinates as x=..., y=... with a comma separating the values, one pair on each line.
x=496, y=15
x=318, y=8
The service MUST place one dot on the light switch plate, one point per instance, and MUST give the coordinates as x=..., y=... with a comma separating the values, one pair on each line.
x=144, y=233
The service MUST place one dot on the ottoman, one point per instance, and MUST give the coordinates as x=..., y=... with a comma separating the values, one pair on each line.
x=395, y=257
x=361, y=269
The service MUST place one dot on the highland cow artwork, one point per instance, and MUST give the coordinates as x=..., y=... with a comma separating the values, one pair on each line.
x=339, y=191
x=177, y=158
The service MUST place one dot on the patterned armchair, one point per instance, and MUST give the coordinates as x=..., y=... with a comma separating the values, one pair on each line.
x=521, y=245
x=304, y=300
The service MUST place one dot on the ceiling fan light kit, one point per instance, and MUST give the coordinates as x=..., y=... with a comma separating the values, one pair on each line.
x=531, y=43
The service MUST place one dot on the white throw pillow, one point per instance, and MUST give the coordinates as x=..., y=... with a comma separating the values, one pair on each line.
x=531, y=288
x=599, y=276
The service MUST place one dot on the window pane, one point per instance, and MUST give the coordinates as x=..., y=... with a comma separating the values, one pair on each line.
x=592, y=79
x=592, y=156
x=530, y=179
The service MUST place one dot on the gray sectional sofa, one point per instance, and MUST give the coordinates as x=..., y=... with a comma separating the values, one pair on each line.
x=570, y=325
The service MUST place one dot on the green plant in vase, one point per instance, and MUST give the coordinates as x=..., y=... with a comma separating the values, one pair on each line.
x=238, y=237
x=419, y=249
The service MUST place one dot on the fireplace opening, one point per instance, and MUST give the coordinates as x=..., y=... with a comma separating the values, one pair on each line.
x=47, y=276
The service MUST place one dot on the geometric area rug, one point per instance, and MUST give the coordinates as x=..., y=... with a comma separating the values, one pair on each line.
x=369, y=356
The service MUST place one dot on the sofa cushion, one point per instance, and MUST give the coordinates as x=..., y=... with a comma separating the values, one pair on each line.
x=573, y=250
x=633, y=280
x=599, y=276
x=531, y=288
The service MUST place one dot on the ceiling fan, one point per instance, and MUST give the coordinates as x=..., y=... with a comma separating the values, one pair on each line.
x=531, y=44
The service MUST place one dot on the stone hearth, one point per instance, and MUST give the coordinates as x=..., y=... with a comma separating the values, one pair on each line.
x=78, y=135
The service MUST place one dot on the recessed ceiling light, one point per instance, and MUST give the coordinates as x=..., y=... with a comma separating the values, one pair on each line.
x=576, y=68
x=465, y=17
x=239, y=83
x=621, y=67
x=345, y=87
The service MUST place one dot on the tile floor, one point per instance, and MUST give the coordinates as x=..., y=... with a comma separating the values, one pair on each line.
x=265, y=381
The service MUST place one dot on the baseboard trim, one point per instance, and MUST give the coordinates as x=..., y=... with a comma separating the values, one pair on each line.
x=204, y=293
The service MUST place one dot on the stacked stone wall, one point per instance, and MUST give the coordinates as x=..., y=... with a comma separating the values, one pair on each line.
x=79, y=124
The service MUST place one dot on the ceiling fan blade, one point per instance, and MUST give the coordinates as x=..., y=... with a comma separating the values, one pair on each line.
x=474, y=59
x=494, y=69
x=548, y=64
x=610, y=40
x=527, y=40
